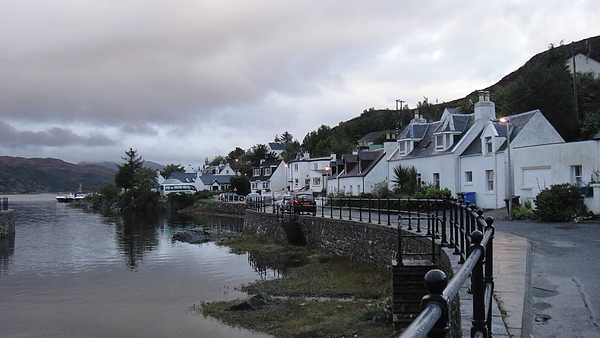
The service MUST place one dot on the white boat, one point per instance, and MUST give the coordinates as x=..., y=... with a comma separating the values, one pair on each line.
x=65, y=198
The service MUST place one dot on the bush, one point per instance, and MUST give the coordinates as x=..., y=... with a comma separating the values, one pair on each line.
x=560, y=203
x=525, y=212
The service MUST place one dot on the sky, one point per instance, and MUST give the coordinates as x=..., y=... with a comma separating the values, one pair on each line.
x=182, y=81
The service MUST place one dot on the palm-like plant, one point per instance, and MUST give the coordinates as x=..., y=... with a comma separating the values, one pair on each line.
x=405, y=179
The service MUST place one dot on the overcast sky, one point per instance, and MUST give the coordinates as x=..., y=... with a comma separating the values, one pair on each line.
x=184, y=80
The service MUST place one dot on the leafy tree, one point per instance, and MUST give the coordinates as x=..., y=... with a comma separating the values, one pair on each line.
x=260, y=152
x=126, y=171
x=170, y=169
x=312, y=139
x=240, y=184
x=217, y=160
x=405, y=179
x=291, y=151
x=237, y=153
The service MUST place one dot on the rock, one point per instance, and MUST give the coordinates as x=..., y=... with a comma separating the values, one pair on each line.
x=193, y=236
x=252, y=303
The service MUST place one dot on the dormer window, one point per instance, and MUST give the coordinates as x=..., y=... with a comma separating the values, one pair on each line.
x=267, y=171
x=443, y=141
x=404, y=147
x=488, y=145
x=256, y=171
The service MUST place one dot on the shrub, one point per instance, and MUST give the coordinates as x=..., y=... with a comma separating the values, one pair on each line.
x=560, y=203
x=525, y=212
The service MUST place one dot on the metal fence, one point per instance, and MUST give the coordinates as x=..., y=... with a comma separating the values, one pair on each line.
x=447, y=222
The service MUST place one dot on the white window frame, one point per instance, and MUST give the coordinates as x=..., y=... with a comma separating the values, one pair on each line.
x=468, y=177
x=488, y=145
x=489, y=180
x=436, y=180
x=577, y=175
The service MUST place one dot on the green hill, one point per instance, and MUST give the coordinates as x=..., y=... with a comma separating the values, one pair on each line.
x=543, y=83
x=47, y=175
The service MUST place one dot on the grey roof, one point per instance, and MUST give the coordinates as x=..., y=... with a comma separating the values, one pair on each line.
x=362, y=163
x=209, y=179
x=414, y=131
x=371, y=136
x=277, y=146
x=184, y=177
x=516, y=123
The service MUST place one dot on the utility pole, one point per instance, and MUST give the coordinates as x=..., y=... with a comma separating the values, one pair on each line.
x=574, y=69
x=398, y=115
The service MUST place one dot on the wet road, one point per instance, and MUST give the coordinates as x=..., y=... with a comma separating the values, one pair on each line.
x=565, y=271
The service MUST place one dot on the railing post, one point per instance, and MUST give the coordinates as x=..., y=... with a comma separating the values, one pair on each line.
x=489, y=266
x=349, y=208
x=388, y=211
x=435, y=282
x=360, y=208
x=478, y=328
x=369, y=209
x=379, y=211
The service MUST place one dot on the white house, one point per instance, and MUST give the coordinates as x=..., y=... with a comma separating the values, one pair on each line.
x=583, y=64
x=309, y=173
x=433, y=148
x=484, y=165
x=361, y=172
x=268, y=176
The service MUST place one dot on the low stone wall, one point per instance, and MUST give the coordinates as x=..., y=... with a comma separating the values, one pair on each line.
x=358, y=240
x=226, y=208
x=7, y=223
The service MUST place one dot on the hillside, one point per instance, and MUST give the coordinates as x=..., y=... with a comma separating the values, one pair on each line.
x=542, y=83
x=47, y=175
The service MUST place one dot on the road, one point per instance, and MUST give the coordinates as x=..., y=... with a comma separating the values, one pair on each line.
x=565, y=271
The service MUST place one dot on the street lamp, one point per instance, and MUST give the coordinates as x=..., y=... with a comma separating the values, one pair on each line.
x=328, y=172
x=509, y=167
x=286, y=177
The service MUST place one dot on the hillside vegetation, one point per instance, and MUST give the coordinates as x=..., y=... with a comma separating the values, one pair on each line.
x=47, y=175
x=543, y=83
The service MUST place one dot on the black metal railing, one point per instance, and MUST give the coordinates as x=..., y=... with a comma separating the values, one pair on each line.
x=446, y=222
x=477, y=246
x=3, y=203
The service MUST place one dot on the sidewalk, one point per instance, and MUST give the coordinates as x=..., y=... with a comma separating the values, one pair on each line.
x=511, y=278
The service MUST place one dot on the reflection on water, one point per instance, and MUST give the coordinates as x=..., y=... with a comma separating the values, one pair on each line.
x=81, y=274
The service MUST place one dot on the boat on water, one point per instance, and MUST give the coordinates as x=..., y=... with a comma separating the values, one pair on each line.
x=65, y=198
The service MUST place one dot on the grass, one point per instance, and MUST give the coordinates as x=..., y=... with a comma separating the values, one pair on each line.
x=317, y=295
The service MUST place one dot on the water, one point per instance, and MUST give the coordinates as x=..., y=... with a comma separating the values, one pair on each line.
x=71, y=273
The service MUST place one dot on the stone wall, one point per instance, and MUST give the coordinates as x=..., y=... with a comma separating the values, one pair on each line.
x=226, y=208
x=358, y=240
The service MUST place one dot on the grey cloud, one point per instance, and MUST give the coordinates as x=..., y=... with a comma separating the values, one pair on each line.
x=10, y=137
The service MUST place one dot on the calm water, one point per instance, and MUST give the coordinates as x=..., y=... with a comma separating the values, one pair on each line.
x=71, y=273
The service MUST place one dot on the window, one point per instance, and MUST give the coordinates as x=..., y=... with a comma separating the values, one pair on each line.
x=316, y=166
x=295, y=166
x=265, y=185
x=489, y=178
x=576, y=175
x=267, y=171
x=256, y=171
x=468, y=177
x=316, y=181
x=436, y=180
x=402, y=147
x=439, y=142
x=488, y=145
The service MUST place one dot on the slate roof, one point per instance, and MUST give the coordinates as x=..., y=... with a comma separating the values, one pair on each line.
x=367, y=159
x=184, y=177
x=209, y=179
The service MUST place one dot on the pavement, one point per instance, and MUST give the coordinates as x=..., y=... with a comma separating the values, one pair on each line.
x=513, y=309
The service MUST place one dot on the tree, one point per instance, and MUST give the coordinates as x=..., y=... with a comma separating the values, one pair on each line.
x=291, y=151
x=405, y=179
x=260, y=152
x=126, y=171
x=170, y=169
x=240, y=184
x=285, y=138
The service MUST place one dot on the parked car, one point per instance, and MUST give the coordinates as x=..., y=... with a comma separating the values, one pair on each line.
x=253, y=197
x=304, y=202
x=230, y=196
x=284, y=202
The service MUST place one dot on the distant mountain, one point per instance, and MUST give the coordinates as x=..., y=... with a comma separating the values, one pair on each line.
x=113, y=165
x=48, y=175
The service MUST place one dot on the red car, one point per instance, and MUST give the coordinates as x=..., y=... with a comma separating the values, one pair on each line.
x=304, y=202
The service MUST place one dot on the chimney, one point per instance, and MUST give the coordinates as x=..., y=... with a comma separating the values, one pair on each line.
x=485, y=109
